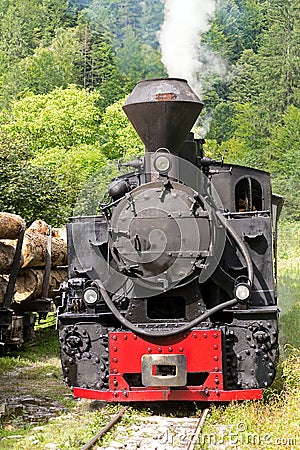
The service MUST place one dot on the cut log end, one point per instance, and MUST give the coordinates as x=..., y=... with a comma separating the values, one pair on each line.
x=10, y=225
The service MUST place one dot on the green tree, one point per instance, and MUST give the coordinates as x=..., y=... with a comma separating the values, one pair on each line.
x=237, y=25
x=137, y=60
x=118, y=137
x=98, y=68
x=24, y=24
x=264, y=84
x=278, y=58
x=27, y=189
x=114, y=16
x=285, y=162
x=222, y=123
x=249, y=144
x=61, y=133
x=49, y=67
x=245, y=84
x=73, y=169
x=75, y=55
x=151, y=19
x=62, y=118
x=133, y=28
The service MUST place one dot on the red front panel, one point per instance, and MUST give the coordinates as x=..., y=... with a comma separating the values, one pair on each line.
x=202, y=352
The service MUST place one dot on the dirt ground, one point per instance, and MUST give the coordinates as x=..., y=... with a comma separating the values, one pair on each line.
x=33, y=390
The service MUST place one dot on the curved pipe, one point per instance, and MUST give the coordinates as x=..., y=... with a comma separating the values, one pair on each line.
x=153, y=333
x=240, y=244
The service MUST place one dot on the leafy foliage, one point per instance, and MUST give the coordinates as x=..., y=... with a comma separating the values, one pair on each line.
x=118, y=137
x=133, y=29
x=98, y=67
x=62, y=118
x=47, y=68
x=251, y=119
x=65, y=65
x=285, y=161
x=60, y=131
x=27, y=189
x=137, y=60
x=237, y=25
x=25, y=23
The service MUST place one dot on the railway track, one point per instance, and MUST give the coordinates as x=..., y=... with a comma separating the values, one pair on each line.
x=154, y=433
x=107, y=427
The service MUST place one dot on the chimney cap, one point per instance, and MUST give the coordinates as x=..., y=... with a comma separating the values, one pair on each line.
x=163, y=111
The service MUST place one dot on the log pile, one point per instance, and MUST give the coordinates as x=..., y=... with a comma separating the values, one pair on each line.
x=33, y=257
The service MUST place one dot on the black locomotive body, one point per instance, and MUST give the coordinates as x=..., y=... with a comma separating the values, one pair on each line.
x=171, y=292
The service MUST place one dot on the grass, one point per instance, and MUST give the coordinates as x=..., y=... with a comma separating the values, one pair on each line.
x=68, y=432
x=289, y=283
x=272, y=423
x=43, y=352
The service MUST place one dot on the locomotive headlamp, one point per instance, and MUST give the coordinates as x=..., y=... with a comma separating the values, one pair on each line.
x=90, y=296
x=162, y=164
x=242, y=290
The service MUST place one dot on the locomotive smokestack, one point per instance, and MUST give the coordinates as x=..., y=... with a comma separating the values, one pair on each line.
x=163, y=112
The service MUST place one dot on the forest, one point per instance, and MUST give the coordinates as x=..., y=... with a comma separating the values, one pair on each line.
x=67, y=66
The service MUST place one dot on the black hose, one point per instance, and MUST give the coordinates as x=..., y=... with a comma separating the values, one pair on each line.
x=153, y=333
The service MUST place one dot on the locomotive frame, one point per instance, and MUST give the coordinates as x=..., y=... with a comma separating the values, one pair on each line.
x=172, y=290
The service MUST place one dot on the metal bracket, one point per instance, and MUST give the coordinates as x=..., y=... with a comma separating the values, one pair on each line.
x=164, y=370
x=14, y=270
x=46, y=278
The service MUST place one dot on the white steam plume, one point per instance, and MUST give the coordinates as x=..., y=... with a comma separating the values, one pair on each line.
x=185, y=21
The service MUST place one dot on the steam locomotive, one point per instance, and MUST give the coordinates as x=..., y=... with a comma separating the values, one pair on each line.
x=172, y=288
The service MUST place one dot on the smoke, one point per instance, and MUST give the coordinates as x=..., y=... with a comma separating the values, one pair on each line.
x=185, y=56
x=179, y=37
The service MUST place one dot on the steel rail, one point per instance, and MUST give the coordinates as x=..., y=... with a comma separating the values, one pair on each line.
x=105, y=429
x=198, y=429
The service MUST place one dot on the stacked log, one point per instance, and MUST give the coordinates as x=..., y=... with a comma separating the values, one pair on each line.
x=29, y=284
x=7, y=252
x=33, y=257
x=10, y=225
x=34, y=247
